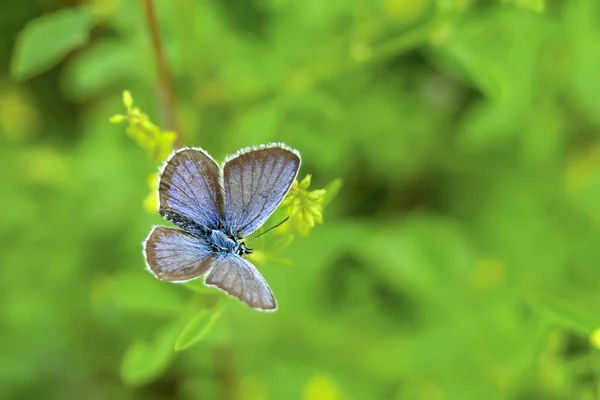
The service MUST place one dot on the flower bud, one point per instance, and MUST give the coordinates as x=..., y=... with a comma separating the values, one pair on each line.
x=127, y=99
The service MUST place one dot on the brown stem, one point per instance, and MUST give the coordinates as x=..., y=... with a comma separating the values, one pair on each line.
x=165, y=84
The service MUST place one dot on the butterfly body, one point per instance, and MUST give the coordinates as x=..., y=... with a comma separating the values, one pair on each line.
x=215, y=208
x=223, y=243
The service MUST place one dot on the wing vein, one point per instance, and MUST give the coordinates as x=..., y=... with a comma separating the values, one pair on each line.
x=202, y=179
x=266, y=202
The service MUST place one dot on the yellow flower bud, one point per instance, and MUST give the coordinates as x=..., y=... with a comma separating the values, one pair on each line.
x=294, y=207
x=127, y=99
x=117, y=119
x=305, y=182
x=136, y=114
x=286, y=202
x=316, y=194
x=316, y=211
x=309, y=219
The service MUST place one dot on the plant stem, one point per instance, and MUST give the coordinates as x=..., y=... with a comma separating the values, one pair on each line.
x=165, y=84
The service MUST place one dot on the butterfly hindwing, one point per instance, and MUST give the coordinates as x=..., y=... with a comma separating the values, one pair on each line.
x=239, y=278
x=255, y=182
x=175, y=255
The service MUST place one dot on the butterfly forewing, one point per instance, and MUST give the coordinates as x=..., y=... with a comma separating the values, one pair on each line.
x=239, y=278
x=255, y=182
x=174, y=255
x=189, y=187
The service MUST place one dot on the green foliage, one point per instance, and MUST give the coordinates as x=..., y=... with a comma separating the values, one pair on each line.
x=48, y=39
x=536, y=5
x=459, y=260
x=558, y=312
x=303, y=207
x=196, y=329
x=145, y=360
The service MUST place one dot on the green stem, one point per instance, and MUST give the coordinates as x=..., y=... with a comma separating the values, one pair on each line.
x=405, y=42
x=165, y=83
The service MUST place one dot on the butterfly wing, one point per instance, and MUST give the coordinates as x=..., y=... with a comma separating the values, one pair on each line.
x=255, y=181
x=239, y=278
x=175, y=255
x=189, y=192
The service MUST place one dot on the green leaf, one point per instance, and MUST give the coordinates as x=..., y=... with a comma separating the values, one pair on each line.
x=331, y=190
x=45, y=41
x=566, y=314
x=197, y=328
x=144, y=360
x=85, y=76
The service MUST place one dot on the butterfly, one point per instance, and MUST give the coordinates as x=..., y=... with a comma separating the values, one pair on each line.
x=216, y=207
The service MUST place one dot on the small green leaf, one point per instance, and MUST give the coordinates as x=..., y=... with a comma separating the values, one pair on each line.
x=565, y=314
x=45, y=41
x=85, y=76
x=144, y=360
x=197, y=328
x=331, y=190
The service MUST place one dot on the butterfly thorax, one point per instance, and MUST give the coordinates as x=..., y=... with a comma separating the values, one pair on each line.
x=221, y=242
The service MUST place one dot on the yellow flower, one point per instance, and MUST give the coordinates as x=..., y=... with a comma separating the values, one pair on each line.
x=305, y=208
x=156, y=143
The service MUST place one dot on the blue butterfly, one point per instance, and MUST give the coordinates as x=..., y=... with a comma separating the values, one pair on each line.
x=216, y=208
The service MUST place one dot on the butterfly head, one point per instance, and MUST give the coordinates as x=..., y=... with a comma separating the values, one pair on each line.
x=241, y=249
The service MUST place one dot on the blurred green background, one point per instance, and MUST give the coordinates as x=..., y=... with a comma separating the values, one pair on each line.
x=458, y=261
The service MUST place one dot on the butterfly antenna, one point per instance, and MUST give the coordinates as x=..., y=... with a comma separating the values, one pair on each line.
x=271, y=228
